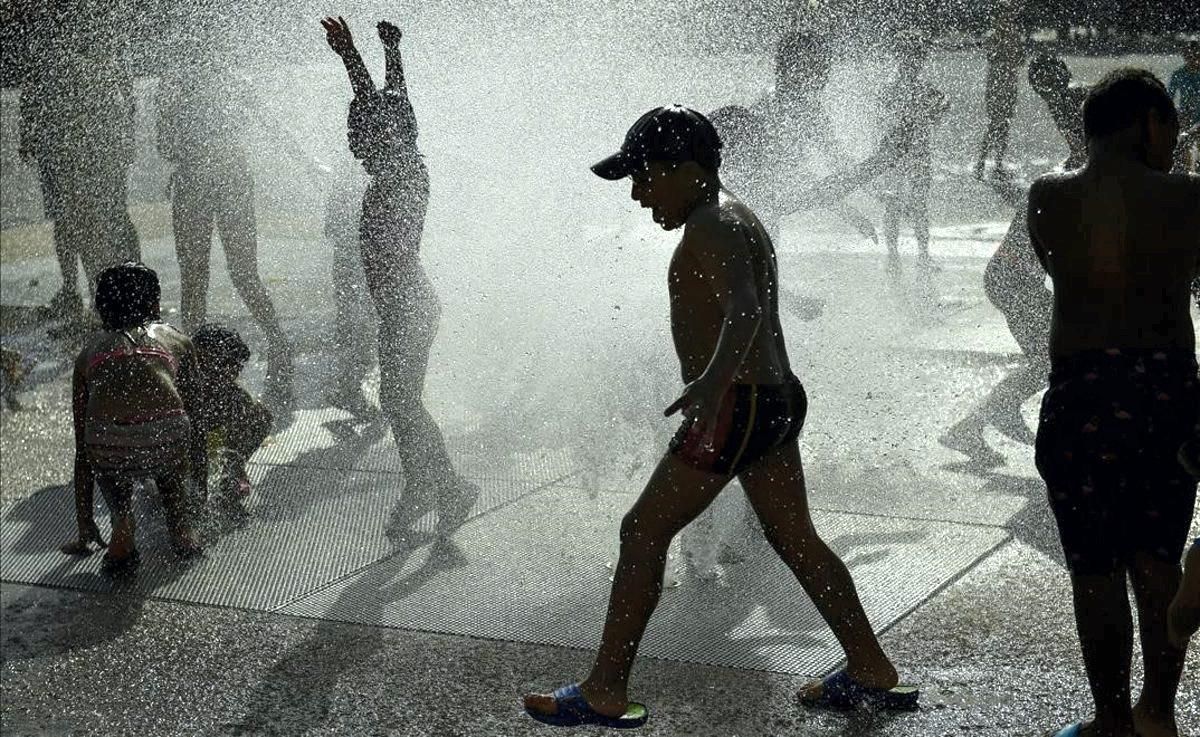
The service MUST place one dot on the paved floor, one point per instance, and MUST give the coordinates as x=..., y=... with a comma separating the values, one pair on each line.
x=308, y=621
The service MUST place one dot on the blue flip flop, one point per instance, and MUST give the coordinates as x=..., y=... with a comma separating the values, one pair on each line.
x=574, y=711
x=1071, y=731
x=840, y=691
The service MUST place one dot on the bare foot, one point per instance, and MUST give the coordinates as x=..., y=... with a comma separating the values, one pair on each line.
x=1149, y=724
x=184, y=544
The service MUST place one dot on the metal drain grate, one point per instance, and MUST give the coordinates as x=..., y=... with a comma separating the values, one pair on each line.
x=306, y=529
x=325, y=439
x=535, y=572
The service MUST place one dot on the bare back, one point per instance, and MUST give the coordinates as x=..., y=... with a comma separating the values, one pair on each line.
x=1122, y=244
x=697, y=315
x=127, y=376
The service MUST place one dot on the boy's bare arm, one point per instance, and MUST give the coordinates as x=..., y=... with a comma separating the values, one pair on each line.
x=190, y=384
x=337, y=34
x=722, y=255
x=84, y=476
x=390, y=35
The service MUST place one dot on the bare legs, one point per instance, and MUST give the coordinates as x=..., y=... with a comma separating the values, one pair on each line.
x=225, y=199
x=677, y=494
x=1105, y=625
x=1154, y=585
x=776, y=489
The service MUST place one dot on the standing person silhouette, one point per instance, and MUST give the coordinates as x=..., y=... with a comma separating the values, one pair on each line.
x=77, y=121
x=1005, y=50
x=743, y=410
x=383, y=135
x=203, y=116
x=911, y=179
x=1120, y=238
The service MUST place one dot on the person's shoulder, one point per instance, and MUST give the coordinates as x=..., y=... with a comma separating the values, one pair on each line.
x=1051, y=182
x=1186, y=187
x=713, y=227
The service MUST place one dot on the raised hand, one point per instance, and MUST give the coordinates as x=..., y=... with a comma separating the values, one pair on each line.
x=337, y=34
x=389, y=34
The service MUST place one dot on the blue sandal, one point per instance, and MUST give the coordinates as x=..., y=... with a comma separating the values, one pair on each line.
x=840, y=691
x=1071, y=731
x=574, y=711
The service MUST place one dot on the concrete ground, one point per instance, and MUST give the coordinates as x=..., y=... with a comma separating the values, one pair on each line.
x=994, y=651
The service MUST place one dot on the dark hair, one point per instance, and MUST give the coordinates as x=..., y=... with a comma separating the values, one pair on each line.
x=706, y=148
x=127, y=295
x=1048, y=71
x=1121, y=99
x=379, y=125
x=220, y=343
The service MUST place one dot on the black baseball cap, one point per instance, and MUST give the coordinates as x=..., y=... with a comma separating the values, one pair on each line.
x=673, y=133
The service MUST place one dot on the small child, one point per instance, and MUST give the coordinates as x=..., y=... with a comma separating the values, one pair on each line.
x=130, y=392
x=915, y=104
x=226, y=419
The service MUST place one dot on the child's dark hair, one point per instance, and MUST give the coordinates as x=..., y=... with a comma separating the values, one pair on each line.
x=221, y=344
x=1121, y=99
x=127, y=295
x=1048, y=71
x=378, y=126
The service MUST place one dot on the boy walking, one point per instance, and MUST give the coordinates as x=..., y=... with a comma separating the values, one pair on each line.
x=743, y=409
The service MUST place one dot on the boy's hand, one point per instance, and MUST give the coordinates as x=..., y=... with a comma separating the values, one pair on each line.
x=701, y=403
x=389, y=34
x=337, y=34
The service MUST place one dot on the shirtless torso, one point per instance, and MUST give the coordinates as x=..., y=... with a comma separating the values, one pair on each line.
x=724, y=247
x=1122, y=243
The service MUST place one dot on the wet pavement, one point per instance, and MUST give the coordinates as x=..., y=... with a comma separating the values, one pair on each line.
x=308, y=620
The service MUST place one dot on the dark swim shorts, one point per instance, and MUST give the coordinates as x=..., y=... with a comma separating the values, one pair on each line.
x=1112, y=423
x=754, y=420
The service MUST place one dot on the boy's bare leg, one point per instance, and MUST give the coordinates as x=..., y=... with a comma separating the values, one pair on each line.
x=1105, y=627
x=1154, y=585
x=675, y=495
x=118, y=496
x=775, y=487
x=919, y=201
x=1184, y=614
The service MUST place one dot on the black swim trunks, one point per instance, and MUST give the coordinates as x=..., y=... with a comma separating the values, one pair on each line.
x=1112, y=423
x=754, y=420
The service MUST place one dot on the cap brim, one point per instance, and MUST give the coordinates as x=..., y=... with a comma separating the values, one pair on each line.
x=617, y=166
